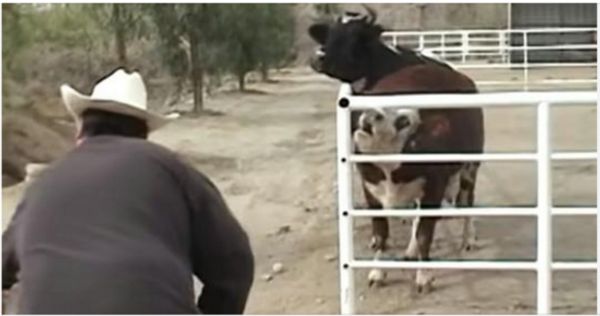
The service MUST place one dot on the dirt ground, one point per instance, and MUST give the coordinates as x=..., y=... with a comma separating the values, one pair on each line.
x=273, y=156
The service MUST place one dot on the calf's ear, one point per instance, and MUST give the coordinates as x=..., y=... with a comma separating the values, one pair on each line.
x=318, y=32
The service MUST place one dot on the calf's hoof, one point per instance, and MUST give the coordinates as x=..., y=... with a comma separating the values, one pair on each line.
x=411, y=253
x=376, y=278
x=470, y=245
x=377, y=243
x=423, y=288
x=424, y=282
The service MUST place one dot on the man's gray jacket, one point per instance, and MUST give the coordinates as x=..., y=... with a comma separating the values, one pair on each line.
x=120, y=225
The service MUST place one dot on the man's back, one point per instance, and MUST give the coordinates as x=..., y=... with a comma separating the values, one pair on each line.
x=110, y=228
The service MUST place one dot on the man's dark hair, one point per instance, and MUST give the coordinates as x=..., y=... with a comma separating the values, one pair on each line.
x=98, y=122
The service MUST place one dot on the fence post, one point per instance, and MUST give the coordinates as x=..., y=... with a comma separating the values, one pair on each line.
x=597, y=194
x=443, y=40
x=598, y=216
x=502, y=45
x=465, y=46
x=597, y=190
x=544, y=208
x=525, y=61
x=345, y=202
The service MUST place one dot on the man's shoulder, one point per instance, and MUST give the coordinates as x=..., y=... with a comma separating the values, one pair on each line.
x=177, y=160
x=131, y=145
x=139, y=143
x=157, y=151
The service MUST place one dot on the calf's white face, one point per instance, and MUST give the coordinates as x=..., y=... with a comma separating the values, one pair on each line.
x=383, y=131
x=386, y=132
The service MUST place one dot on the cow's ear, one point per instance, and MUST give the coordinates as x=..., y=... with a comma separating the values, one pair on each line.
x=373, y=32
x=377, y=30
x=438, y=126
x=319, y=32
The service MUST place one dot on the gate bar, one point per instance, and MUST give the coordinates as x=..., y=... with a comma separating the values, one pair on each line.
x=469, y=157
x=544, y=217
x=344, y=204
x=476, y=211
x=465, y=100
x=597, y=190
x=468, y=265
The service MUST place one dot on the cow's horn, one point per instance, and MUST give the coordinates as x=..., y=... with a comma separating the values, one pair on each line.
x=372, y=15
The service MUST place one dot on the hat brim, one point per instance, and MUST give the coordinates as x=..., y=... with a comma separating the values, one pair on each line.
x=76, y=103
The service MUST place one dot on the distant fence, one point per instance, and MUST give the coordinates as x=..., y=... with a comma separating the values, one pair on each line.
x=523, y=49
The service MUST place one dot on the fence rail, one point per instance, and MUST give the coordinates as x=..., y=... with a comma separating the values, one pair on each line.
x=469, y=265
x=468, y=157
x=466, y=49
x=479, y=211
x=544, y=210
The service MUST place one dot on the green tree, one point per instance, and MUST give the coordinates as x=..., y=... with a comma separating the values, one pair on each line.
x=67, y=27
x=254, y=37
x=14, y=40
x=277, y=37
x=13, y=36
x=327, y=10
x=209, y=40
x=124, y=20
x=28, y=28
x=184, y=27
x=238, y=40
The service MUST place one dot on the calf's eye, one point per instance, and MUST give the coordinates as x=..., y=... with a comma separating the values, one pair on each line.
x=401, y=122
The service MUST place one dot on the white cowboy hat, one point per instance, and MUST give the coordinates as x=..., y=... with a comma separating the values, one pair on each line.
x=121, y=92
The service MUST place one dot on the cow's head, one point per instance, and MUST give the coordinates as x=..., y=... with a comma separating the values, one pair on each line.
x=345, y=45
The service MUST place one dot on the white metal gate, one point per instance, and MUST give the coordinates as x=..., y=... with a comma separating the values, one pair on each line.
x=544, y=210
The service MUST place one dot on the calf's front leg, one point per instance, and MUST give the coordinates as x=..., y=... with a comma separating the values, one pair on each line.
x=466, y=198
x=432, y=199
x=380, y=229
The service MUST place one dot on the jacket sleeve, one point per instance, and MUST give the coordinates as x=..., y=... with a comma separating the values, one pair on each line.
x=221, y=253
x=10, y=264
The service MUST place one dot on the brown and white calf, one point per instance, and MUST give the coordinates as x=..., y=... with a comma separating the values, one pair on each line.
x=385, y=131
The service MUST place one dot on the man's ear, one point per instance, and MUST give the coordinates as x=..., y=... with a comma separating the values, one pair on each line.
x=318, y=32
x=437, y=126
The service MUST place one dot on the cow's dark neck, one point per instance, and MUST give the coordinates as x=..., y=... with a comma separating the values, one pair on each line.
x=384, y=61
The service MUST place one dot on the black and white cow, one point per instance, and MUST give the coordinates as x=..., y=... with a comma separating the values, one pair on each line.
x=351, y=51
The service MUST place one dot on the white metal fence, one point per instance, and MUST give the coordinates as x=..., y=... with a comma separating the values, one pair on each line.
x=543, y=211
x=492, y=48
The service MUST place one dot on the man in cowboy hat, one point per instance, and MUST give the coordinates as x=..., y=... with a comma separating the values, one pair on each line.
x=120, y=225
